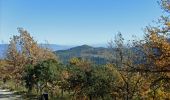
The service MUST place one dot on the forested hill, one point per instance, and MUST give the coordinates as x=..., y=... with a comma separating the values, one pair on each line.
x=98, y=55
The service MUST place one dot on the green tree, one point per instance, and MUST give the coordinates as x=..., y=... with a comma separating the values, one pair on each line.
x=43, y=75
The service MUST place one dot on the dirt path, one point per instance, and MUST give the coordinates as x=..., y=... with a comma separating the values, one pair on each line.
x=8, y=95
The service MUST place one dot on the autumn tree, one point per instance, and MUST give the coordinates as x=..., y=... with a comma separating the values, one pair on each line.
x=89, y=81
x=154, y=58
x=155, y=50
x=124, y=63
x=23, y=50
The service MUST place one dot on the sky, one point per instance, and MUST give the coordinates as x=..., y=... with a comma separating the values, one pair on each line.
x=77, y=22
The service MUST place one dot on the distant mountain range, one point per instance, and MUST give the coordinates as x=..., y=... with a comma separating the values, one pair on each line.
x=96, y=54
x=53, y=47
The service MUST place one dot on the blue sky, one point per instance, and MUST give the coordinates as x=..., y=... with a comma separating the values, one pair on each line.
x=76, y=22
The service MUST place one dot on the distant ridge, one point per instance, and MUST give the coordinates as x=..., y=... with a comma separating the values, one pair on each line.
x=55, y=47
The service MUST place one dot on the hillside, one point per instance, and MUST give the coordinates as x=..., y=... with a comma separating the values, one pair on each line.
x=97, y=55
